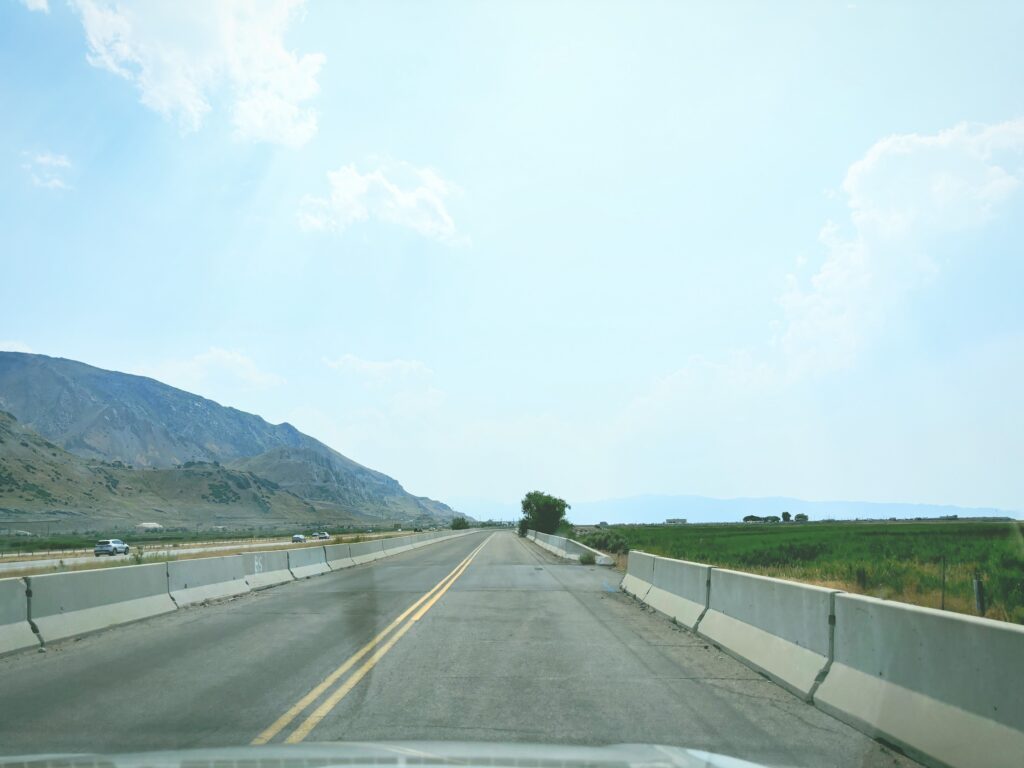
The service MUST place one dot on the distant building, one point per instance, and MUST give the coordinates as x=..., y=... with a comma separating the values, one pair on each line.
x=148, y=527
x=676, y=521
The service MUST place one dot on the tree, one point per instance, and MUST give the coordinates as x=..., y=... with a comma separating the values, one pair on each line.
x=753, y=519
x=786, y=517
x=543, y=512
x=800, y=517
x=772, y=519
x=523, y=526
x=459, y=524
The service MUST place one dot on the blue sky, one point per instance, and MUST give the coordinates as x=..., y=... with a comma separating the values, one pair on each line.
x=600, y=249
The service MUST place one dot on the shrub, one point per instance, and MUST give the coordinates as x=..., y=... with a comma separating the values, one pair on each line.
x=587, y=558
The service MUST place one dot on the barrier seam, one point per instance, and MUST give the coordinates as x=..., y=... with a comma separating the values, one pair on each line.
x=707, y=601
x=167, y=580
x=28, y=611
x=820, y=678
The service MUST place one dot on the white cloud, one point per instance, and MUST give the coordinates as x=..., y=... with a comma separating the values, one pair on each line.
x=379, y=370
x=14, y=346
x=47, y=170
x=215, y=368
x=37, y=5
x=394, y=192
x=180, y=55
x=906, y=192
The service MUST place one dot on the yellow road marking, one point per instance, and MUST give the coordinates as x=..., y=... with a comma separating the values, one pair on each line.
x=296, y=709
x=332, y=701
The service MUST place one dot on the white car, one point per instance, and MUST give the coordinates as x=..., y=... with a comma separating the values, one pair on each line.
x=323, y=535
x=110, y=547
x=298, y=538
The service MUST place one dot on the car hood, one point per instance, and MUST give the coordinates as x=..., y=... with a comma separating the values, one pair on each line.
x=399, y=753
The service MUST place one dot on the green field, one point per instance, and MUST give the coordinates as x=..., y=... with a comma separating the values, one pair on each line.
x=892, y=560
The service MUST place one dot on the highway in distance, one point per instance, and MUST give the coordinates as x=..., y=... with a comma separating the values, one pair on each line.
x=480, y=638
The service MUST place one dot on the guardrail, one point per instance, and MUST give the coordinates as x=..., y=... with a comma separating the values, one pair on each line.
x=947, y=689
x=567, y=548
x=36, y=610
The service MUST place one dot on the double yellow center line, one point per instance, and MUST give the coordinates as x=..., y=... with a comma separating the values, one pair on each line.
x=375, y=649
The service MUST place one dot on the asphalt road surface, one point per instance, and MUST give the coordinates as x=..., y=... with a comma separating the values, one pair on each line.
x=481, y=638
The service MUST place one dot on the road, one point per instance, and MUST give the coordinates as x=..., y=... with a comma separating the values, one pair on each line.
x=14, y=567
x=481, y=638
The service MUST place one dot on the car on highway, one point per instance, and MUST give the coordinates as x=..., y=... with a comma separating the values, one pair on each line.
x=298, y=538
x=323, y=535
x=110, y=547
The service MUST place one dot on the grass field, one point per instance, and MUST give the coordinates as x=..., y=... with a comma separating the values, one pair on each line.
x=892, y=560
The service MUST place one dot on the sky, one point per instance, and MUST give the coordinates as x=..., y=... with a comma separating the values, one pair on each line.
x=599, y=249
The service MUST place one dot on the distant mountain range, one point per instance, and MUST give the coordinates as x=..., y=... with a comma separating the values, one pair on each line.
x=702, y=509
x=95, y=416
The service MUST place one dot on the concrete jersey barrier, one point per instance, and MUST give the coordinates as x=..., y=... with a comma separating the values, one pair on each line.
x=395, y=545
x=568, y=549
x=679, y=589
x=944, y=687
x=66, y=605
x=338, y=556
x=206, y=578
x=15, y=631
x=307, y=561
x=639, y=576
x=780, y=628
x=365, y=551
x=266, y=569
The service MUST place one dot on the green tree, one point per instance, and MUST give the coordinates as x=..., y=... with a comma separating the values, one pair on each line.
x=523, y=523
x=800, y=517
x=543, y=512
x=459, y=524
x=786, y=517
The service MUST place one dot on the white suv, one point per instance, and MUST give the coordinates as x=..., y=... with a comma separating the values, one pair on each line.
x=110, y=547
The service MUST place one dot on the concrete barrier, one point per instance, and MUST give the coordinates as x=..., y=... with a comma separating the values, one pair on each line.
x=780, y=628
x=15, y=631
x=338, y=556
x=72, y=604
x=395, y=545
x=568, y=549
x=266, y=569
x=307, y=561
x=679, y=590
x=205, y=578
x=639, y=576
x=945, y=687
x=365, y=551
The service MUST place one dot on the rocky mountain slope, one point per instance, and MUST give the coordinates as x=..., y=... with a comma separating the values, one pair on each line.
x=110, y=416
x=41, y=481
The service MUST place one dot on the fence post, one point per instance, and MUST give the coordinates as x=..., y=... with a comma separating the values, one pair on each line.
x=943, y=606
x=979, y=594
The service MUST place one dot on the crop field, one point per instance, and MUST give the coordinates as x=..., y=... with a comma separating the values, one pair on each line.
x=893, y=560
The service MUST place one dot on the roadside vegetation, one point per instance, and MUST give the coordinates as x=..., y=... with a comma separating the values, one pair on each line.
x=543, y=512
x=902, y=561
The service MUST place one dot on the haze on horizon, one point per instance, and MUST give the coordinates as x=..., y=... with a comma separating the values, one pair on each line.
x=602, y=250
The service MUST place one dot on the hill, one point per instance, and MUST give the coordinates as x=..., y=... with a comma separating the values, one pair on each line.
x=40, y=480
x=110, y=416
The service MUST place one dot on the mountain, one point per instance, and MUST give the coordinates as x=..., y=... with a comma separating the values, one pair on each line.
x=702, y=509
x=40, y=480
x=319, y=473
x=110, y=416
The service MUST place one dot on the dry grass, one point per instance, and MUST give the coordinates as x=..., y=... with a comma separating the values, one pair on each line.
x=159, y=554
